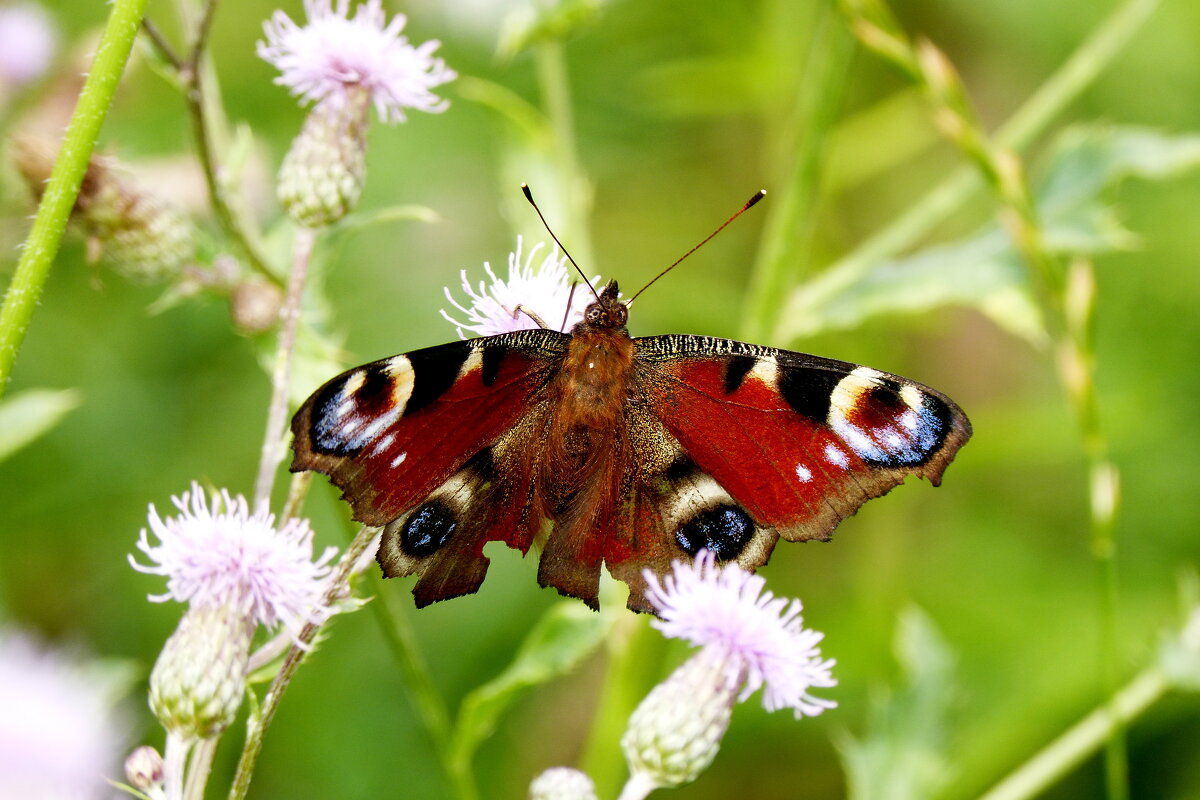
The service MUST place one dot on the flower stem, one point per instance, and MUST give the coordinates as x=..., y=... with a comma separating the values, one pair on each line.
x=281, y=372
x=45, y=236
x=199, y=768
x=339, y=585
x=1067, y=296
x=174, y=761
x=1082, y=739
x=197, y=76
x=638, y=787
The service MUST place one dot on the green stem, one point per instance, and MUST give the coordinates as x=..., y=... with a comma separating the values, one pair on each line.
x=791, y=219
x=281, y=372
x=50, y=223
x=1082, y=739
x=555, y=89
x=1058, y=91
x=197, y=75
x=339, y=587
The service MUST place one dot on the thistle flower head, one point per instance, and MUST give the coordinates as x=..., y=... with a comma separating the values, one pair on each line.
x=545, y=291
x=28, y=39
x=224, y=556
x=758, y=636
x=59, y=734
x=335, y=53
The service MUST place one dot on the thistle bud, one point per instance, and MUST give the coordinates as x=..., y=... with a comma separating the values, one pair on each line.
x=676, y=731
x=144, y=768
x=254, y=306
x=197, y=683
x=562, y=783
x=322, y=175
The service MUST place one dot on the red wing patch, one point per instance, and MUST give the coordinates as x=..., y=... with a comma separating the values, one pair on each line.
x=389, y=433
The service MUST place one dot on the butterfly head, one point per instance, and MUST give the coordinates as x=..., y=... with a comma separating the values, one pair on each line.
x=607, y=313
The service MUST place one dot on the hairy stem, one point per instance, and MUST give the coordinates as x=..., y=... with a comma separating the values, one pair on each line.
x=45, y=236
x=339, y=587
x=281, y=372
x=174, y=762
x=1067, y=300
x=197, y=77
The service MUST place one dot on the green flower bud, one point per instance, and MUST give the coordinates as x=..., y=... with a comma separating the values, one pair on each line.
x=562, y=783
x=144, y=768
x=676, y=731
x=254, y=306
x=199, y=679
x=322, y=175
x=142, y=236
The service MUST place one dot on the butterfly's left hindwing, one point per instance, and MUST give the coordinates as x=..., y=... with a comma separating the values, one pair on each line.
x=798, y=442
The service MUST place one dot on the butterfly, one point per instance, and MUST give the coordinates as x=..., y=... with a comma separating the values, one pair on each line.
x=633, y=452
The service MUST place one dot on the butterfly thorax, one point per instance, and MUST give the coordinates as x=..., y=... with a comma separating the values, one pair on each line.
x=588, y=401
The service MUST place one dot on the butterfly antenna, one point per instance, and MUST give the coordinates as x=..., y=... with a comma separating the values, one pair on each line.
x=759, y=195
x=570, y=300
x=529, y=197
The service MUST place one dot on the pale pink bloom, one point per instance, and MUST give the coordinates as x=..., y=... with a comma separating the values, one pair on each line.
x=335, y=53
x=59, y=733
x=759, y=637
x=28, y=39
x=546, y=291
x=226, y=556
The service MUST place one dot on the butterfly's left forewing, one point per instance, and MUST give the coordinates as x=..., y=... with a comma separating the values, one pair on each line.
x=798, y=442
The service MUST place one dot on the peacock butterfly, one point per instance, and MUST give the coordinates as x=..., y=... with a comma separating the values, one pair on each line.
x=634, y=452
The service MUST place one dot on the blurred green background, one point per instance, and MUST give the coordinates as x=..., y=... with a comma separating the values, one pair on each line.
x=681, y=111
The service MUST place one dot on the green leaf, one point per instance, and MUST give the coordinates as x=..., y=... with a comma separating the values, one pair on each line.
x=27, y=415
x=400, y=213
x=902, y=754
x=984, y=271
x=566, y=634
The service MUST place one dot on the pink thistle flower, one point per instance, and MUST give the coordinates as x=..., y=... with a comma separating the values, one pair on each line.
x=59, y=730
x=28, y=41
x=335, y=54
x=545, y=291
x=748, y=639
x=759, y=637
x=224, y=556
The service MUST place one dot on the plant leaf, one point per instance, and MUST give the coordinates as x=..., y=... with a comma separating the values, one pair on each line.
x=27, y=415
x=983, y=270
x=902, y=754
x=566, y=634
